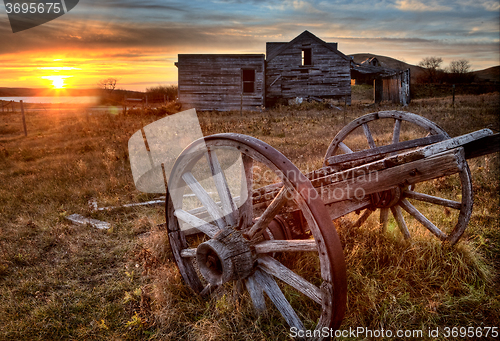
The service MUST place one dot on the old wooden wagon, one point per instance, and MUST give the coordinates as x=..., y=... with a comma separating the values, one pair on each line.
x=237, y=208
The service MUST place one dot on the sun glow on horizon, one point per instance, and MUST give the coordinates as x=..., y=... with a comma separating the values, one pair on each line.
x=57, y=81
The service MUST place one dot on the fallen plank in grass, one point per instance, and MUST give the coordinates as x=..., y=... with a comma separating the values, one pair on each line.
x=81, y=220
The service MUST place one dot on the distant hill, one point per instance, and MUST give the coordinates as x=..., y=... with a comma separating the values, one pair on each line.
x=387, y=62
x=29, y=92
x=33, y=92
x=491, y=74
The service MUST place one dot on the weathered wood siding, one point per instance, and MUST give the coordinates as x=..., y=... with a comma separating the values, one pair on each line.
x=328, y=76
x=214, y=81
x=395, y=89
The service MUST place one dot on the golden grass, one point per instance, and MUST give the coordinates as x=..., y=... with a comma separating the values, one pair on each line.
x=59, y=281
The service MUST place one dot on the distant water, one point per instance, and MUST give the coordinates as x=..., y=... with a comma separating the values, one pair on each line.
x=54, y=99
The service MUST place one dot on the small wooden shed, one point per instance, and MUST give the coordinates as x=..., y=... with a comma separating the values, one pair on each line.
x=388, y=84
x=306, y=67
x=221, y=81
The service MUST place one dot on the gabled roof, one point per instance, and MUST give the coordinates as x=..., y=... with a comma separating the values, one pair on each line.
x=376, y=71
x=306, y=34
x=372, y=61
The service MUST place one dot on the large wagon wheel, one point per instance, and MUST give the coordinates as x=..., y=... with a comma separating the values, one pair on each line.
x=371, y=128
x=232, y=248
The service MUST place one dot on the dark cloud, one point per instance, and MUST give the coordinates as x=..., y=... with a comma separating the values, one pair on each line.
x=142, y=5
x=155, y=31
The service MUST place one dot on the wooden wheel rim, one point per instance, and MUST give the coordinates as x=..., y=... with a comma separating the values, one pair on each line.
x=465, y=207
x=332, y=294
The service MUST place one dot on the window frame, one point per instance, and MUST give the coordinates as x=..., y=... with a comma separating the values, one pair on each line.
x=245, y=83
x=306, y=55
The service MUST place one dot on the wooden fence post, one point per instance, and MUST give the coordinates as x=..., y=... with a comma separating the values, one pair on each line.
x=453, y=91
x=24, y=119
x=378, y=90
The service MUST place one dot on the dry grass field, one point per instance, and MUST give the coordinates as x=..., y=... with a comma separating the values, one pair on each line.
x=66, y=282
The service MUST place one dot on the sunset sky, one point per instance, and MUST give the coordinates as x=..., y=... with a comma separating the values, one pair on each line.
x=137, y=42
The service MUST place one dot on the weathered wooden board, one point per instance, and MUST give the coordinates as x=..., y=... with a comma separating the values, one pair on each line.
x=384, y=179
x=78, y=219
x=383, y=150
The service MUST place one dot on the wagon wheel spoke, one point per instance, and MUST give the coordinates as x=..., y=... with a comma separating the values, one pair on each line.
x=368, y=135
x=432, y=199
x=278, y=270
x=188, y=253
x=208, y=289
x=396, y=131
x=246, y=209
x=212, y=208
x=271, y=288
x=384, y=218
x=269, y=214
x=200, y=224
x=361, y=220
x=405, y=204
x=228, y=206
x=396, y=212
x=256, y=294
x=294, y=245
x=344, y=148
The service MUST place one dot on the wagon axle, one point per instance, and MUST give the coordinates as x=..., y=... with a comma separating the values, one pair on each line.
x=386, y=199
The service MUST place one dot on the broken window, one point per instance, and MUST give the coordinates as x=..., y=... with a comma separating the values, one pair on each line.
x=306, y=57
x=248, y=76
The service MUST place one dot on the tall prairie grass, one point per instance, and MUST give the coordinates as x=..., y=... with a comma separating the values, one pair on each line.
x=60, y=281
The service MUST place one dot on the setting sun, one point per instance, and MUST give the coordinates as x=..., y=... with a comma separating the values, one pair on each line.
x=58, y=82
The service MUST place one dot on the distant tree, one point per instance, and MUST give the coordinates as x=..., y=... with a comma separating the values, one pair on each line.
x=459, y=71
x=160, y=93
x=432, y=69
x=461, y=66
x=108, y=84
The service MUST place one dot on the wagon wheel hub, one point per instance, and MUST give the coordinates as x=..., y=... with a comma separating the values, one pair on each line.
x=386, y=199
x=226, y=257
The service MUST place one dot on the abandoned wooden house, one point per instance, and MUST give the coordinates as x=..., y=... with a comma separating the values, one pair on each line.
x=304, y=67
